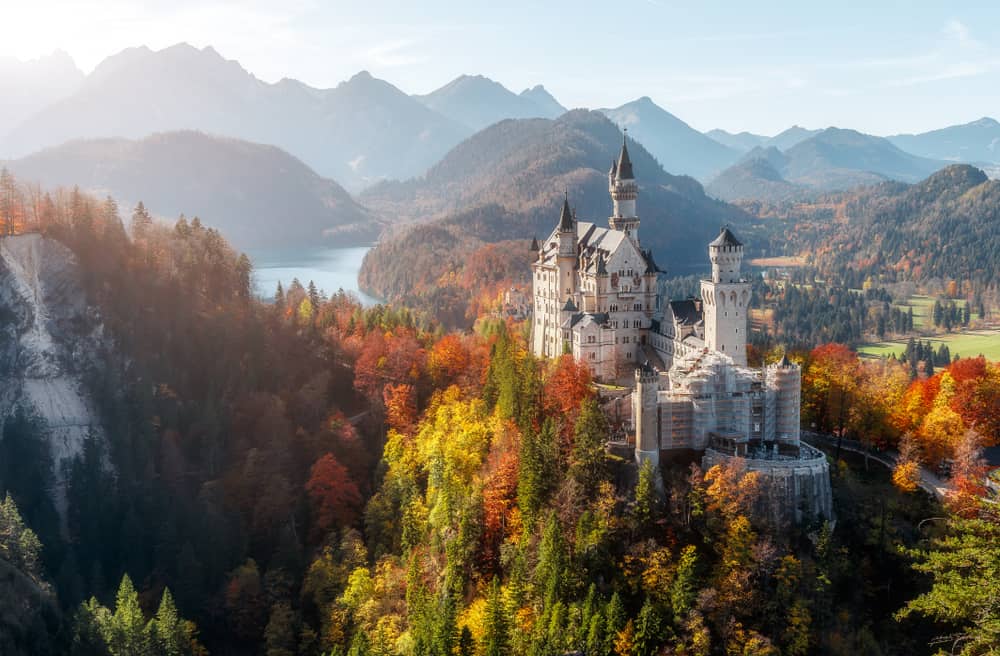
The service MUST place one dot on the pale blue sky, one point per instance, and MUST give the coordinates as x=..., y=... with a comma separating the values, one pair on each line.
x=741, y=66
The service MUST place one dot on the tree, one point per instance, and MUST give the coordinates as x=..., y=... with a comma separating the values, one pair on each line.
x=126, y=633
x=650, y=631
x=280, y=634
x=496, y=637
x=335, y=498
x=646, y=508
x=18, y=544
x=685, y=585
x=588, y=461
x=964, y=565
x=537, y=470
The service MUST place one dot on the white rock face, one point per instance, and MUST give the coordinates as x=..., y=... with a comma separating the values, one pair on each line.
x=48, y=336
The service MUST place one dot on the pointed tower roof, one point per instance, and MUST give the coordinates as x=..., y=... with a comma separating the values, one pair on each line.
x=566, y=218
x=624, y=163
x=784, y=361
x=602, y=267
x=570, y=305
x=534, y=244
x=726, y=238
x=650, y=264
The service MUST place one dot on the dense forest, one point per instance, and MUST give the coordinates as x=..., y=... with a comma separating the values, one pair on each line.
x=307, y=477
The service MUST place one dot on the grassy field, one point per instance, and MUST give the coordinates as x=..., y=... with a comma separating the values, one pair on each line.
x=967, y=344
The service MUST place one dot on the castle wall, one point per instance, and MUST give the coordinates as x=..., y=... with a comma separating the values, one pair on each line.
x=794, y=490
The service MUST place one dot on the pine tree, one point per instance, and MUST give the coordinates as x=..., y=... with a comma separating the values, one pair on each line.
x=684, y=587
x=552, y=561
x=645, y=510
x=650, y=631
x=126, y=633
x=588, y=461
x=167, y=627
x=496, y=637
x=537, y=470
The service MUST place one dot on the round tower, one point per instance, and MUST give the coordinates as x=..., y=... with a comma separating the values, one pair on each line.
x=726, y=299
x=624, y=191
x=645, y=402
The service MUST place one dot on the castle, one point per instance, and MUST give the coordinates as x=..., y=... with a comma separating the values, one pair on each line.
x=595, y=295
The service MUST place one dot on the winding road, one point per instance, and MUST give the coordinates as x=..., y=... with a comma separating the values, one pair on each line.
x=929, y=481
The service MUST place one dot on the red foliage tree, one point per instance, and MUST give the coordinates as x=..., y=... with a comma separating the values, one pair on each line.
x=565, y=388
x=334, y=495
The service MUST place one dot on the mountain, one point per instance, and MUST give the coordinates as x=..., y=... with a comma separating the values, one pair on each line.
x=28, y=86
x=677, y=146
x=506, y=183
x=477, y=102
x=978, y=141
x=834, y=159
x=541, y=97
x=361, y=131
x=755, y=178
x=790, y=137
x=942, y=228
x=742, y=141
x=256, y=195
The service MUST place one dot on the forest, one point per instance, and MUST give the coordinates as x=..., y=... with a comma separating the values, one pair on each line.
x=306, y=476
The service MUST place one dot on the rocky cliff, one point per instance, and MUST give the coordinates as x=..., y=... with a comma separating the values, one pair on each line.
x=49, y=337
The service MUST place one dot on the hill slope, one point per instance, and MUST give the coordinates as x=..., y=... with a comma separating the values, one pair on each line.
x=256, y=195
x=742, y=141
x=477, y=102
x=978, y=141
x=361, y=131
x=677, y=146
x=942, y=228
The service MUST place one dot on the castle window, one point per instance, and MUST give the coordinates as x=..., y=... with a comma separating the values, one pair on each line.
x=629, y=355
x=590, y=339
x=625, y=339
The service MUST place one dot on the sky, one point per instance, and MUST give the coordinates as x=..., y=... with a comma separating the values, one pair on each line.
x=879, y=67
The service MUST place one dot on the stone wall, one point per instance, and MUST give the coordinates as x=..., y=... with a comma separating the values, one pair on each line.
x=794, y=490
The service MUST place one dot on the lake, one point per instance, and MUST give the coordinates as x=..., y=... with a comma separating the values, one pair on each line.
x=330, y=268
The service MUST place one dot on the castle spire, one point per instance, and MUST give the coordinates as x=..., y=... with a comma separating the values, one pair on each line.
x=566, y=218
x=624, y=161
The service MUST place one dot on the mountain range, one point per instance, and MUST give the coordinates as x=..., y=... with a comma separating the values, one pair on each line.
x=477, y=102
x=833, y=159
x=677, y=146
x=363, y=130
x=257, y=196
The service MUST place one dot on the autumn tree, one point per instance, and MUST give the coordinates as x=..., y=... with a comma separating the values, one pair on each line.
x=335, y=498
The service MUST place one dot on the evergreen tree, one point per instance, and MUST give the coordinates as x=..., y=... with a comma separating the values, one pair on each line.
x=168, y=628
x=552, y=561
x=645, y=509
x=537, y=470
x=496, y=637
x=126, y=632
x=650, y=630
x=588, y=459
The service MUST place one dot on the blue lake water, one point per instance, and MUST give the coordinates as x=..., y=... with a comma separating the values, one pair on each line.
x=330, y=268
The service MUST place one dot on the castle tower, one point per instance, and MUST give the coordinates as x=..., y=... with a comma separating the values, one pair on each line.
x=784, y=380
x=623, y=189
x=645, y=407
x=726, y=299
x=567, y=252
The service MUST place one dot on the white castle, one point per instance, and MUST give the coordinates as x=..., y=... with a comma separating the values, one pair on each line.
x=595, y=295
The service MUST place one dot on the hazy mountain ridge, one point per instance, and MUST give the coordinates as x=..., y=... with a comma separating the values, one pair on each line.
x=248, y=191
x=678, y=147
x=477, y=102
x=361, y=131
x=835, y=159
x=978, y=141
x=27, y=87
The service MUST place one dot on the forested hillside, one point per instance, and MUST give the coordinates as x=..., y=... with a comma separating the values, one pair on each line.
x=943, y=228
